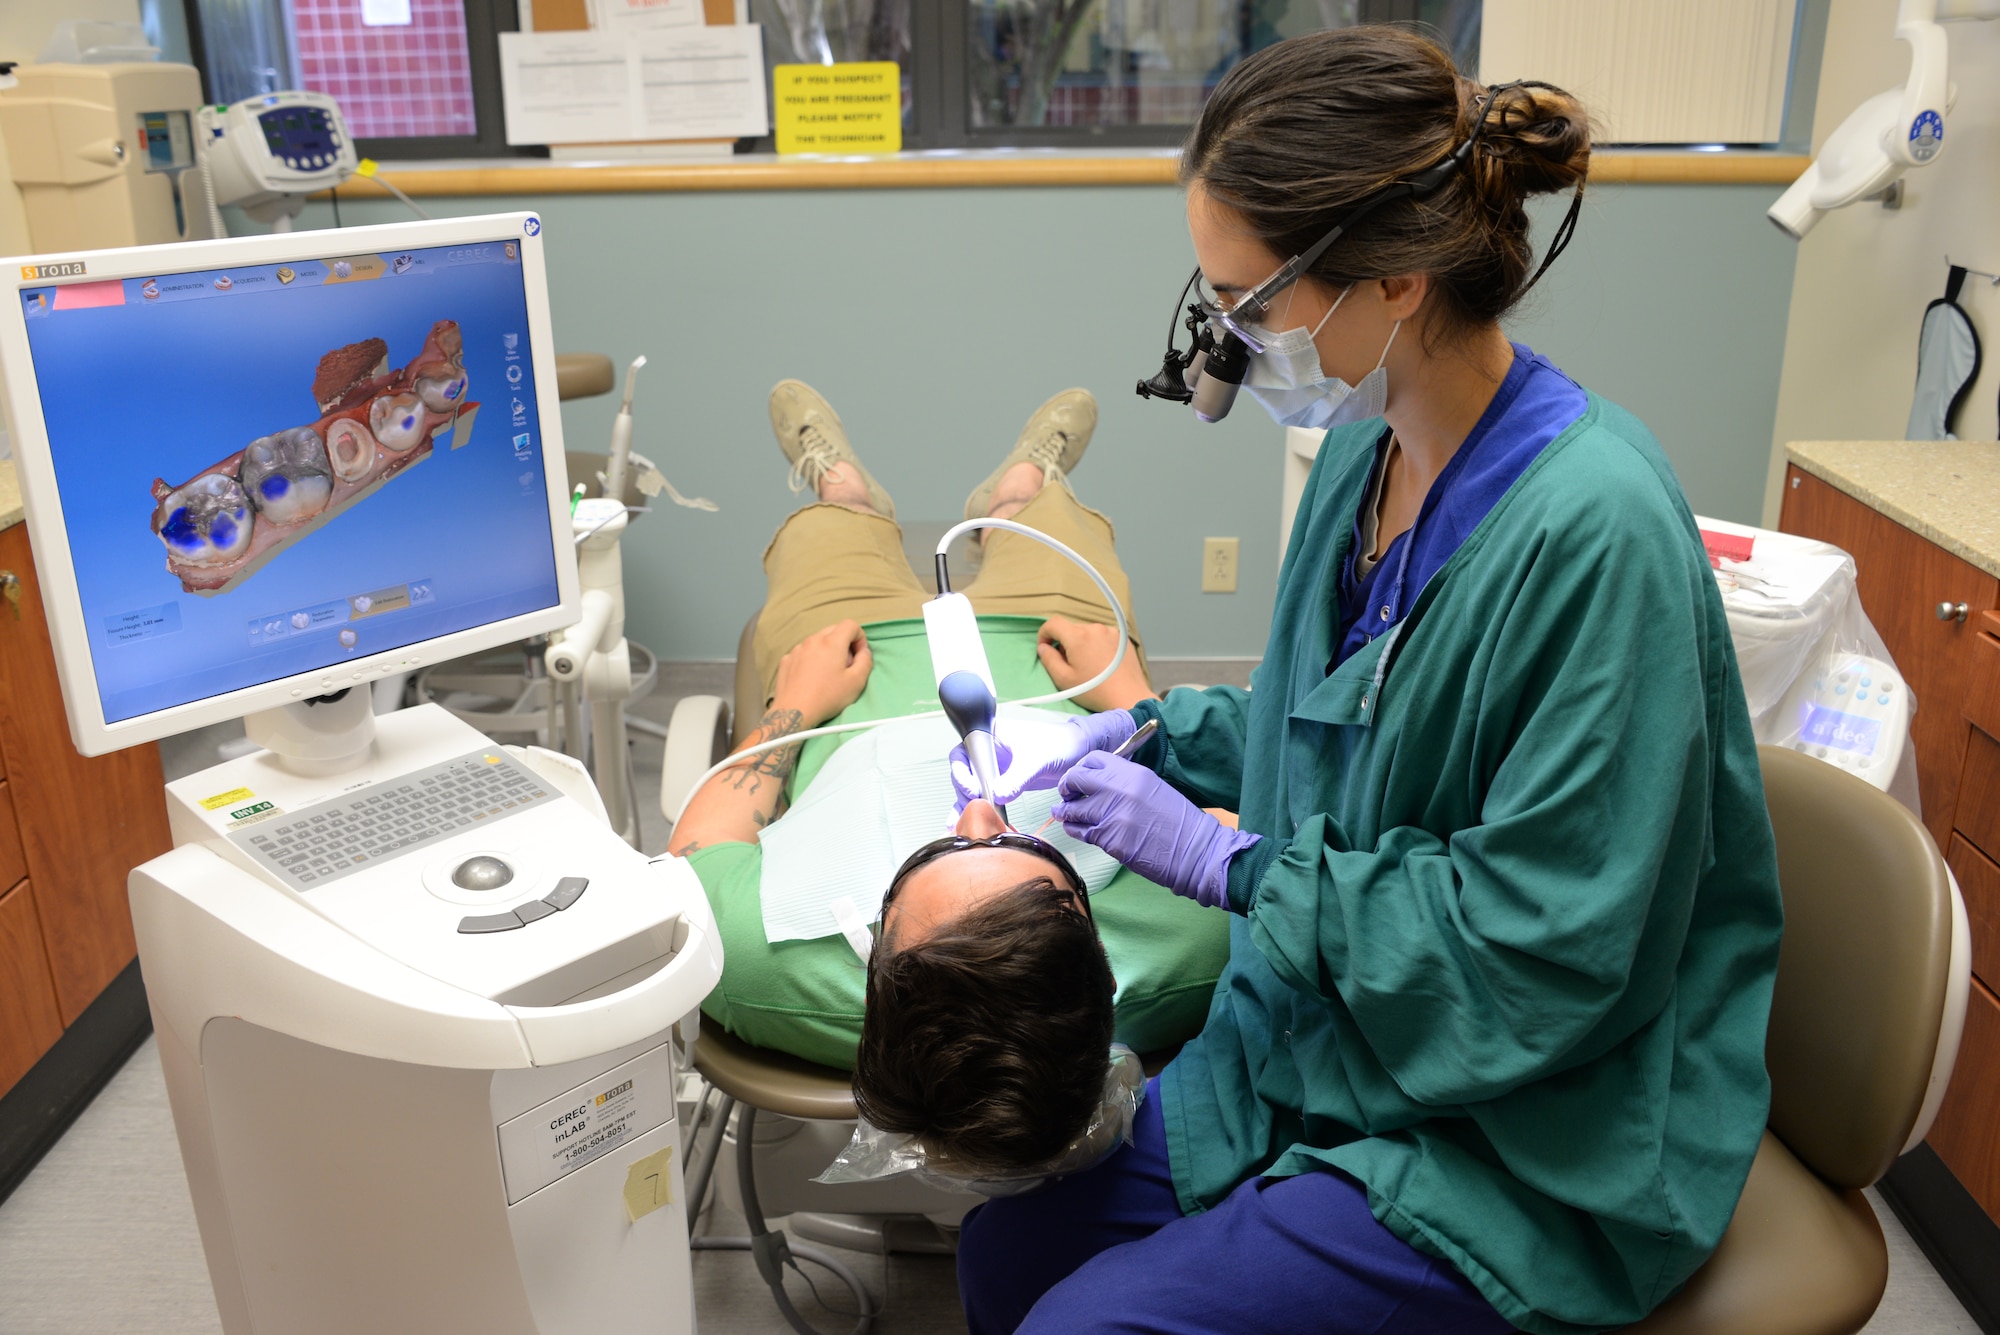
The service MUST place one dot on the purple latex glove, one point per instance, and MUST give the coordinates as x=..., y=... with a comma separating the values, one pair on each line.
x=1141, y=820
x=1034, y=753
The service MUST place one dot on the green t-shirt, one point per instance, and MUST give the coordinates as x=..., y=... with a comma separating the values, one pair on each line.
x=804, y=997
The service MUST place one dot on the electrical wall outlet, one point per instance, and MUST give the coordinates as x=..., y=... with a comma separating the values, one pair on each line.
x=1218, y=565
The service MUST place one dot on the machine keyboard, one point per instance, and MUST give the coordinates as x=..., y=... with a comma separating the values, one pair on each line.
x=322, y=843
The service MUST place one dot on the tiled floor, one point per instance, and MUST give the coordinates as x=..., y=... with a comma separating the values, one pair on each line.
x=101, y=1237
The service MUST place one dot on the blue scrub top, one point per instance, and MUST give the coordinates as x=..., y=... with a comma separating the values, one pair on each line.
x=1535, y=404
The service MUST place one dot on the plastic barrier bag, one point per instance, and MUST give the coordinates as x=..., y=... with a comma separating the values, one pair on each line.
x=875, y=1154
x=1816, y=675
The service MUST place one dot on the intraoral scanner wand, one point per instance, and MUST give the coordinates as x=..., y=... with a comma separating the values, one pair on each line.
x=970, y=705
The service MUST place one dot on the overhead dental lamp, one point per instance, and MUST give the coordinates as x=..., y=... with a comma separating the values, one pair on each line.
x=1892, y=131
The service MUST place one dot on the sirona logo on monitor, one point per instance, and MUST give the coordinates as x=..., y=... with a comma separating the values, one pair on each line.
x=70, y=269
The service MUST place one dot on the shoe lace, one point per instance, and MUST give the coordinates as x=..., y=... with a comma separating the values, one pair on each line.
x=816, y=457
x=1048, y=452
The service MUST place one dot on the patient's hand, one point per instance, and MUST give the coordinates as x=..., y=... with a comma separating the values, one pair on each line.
x=824, y=673
x=1075, y=651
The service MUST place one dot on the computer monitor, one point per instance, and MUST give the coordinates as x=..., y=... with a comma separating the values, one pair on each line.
x=266, y=469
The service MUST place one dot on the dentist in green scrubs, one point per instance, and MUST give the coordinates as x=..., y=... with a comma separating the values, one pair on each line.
x=1488, y=1051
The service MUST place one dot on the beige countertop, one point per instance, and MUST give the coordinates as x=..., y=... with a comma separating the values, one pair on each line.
x=10, y=496
x=1946, y=490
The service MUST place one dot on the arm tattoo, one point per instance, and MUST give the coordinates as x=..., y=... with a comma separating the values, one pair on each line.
x=777, y=763
x=736, y=804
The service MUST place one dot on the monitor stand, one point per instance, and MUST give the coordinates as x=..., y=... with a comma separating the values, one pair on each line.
x=329, y=734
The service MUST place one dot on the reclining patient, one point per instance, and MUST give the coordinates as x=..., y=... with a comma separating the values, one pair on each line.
x=990, y=996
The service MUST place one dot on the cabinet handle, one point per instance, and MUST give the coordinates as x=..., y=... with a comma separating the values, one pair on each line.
x=10, y=589
x=1952, y=611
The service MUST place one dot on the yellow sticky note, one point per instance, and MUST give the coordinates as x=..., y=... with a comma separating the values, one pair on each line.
x=649, y=1184
x=855, y=107
x=225, y=799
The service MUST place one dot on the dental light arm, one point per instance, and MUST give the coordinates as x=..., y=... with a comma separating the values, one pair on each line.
x=944, y=586
x=566, y=657
x=1892, y=131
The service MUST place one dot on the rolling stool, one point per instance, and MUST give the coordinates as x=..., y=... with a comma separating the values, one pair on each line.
x=751, y=1080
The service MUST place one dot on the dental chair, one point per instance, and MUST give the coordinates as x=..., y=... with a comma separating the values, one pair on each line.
x=792, y=1116
x=1865, y=1022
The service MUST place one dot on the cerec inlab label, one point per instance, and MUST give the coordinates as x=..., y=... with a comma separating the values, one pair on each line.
x=544, y=1144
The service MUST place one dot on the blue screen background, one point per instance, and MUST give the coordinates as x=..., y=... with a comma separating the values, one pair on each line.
x=169, y=386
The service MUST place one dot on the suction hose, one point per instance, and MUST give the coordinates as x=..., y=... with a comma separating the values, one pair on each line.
x=944, y=546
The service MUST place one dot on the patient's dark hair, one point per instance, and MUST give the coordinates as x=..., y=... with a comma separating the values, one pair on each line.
x=989, y=1039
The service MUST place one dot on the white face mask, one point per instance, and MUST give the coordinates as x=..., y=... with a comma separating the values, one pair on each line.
x=1286, y=378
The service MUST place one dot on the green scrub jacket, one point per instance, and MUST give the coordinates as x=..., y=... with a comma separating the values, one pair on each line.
x=1505, y=952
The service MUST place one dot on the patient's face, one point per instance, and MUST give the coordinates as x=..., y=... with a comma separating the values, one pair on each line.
x=941, y=891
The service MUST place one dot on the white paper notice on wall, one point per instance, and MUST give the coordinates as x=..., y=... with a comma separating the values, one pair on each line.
x=385, y=13
x=696, y=82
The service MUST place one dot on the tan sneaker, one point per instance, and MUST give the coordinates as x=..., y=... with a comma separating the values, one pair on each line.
x=810, y=434
x=1055, y=437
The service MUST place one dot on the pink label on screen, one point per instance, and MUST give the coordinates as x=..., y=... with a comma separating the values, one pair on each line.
x=83, y=296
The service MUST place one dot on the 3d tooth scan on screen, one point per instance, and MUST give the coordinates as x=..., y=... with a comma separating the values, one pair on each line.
x=222, y=527
x=293, y=472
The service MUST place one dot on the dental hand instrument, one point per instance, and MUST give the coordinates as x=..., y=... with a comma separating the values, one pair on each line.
x=1124, y=751
x=621, y=437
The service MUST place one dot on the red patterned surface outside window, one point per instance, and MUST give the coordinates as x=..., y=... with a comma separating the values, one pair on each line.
x=395, y=81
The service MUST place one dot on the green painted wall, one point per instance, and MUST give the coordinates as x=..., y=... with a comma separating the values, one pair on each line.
x=936, y=320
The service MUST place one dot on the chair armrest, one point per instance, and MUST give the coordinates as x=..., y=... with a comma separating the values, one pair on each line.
x=697, y=737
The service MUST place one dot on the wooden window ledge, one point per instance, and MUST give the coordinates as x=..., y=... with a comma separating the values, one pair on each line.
x=1024, y=167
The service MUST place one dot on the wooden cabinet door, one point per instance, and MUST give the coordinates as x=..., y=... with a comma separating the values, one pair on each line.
x=1967, y=1132
x=84, y=823
x=29, y=1022
x=13, y=865
x=1902, y=578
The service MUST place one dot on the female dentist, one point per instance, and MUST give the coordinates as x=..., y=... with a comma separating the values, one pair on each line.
x=1489, y=1050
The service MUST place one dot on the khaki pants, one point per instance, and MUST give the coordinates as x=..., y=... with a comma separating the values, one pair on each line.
x=829, y=564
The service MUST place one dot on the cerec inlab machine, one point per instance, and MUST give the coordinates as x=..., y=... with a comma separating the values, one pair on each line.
x=416, y=1001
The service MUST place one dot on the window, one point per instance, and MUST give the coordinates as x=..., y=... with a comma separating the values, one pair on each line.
x=420, y=78
x=414, y=78
x=1067, y=73
x=800, y=32
x=402, y=81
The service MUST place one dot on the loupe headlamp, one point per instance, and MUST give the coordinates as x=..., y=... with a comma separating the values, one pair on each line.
x=1222, y=340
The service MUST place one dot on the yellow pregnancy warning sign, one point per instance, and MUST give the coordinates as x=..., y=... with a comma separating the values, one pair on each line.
x=848, y=108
